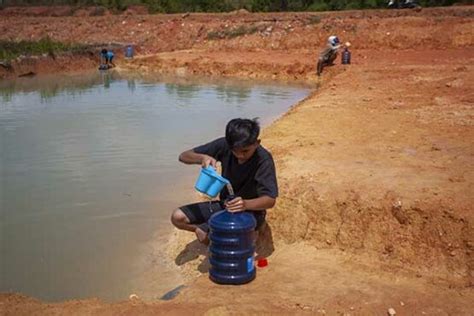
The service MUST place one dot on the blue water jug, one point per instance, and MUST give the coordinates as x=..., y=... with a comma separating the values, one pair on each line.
x=129, y=51
x=232, y=247
x=346, y=57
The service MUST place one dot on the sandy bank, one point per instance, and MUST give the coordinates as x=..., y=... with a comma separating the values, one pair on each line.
x=26, y=66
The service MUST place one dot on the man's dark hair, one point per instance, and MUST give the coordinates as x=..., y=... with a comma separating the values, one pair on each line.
x=104, y=51
x=242, y=132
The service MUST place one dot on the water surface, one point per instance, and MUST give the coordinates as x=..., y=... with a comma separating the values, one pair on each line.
x=89, y=173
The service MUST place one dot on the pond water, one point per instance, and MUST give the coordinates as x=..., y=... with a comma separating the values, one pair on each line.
x=89, y=173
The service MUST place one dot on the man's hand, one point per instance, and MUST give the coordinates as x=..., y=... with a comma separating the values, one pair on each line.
x=236, y=205
x=207, y=161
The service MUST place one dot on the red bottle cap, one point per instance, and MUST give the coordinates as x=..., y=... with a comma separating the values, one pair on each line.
x=261, y=263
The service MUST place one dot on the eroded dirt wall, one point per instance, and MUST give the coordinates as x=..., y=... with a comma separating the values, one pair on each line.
x=402, y=29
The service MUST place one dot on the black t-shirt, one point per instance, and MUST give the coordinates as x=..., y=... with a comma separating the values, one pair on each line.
x=254, y=178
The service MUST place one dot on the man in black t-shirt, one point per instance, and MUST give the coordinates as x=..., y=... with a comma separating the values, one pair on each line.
x=246, y=164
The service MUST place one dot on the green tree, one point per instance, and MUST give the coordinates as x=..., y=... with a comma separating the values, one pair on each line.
x=175, y=6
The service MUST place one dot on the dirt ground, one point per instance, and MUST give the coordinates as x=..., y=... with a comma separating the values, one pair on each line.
x=374, y=167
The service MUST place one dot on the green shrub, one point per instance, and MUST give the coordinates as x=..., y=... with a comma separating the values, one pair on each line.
x=176, y=6
x=10, y=50
x=319, y=6
x=232, y=32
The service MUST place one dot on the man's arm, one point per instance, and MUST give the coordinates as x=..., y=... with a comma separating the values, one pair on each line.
x=190, y=157
x=261, y=203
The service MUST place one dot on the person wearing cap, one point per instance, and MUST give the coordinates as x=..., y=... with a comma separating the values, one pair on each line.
x=329, y=54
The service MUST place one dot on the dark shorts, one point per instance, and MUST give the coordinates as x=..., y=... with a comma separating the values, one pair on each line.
x=199, y=213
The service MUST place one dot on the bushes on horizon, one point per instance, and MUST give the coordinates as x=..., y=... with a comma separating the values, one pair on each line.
x=10, y=49
x=177, y=6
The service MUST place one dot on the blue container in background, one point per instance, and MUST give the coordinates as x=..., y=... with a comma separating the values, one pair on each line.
x=346, y=56
x=129, y=51
x=210, y=182
x=232, y=247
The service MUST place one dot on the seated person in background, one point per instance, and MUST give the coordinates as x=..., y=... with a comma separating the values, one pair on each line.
x=329, y=54
x=246, y=164
x=106, y=58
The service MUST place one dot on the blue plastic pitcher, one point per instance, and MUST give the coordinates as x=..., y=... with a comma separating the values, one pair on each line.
x=210, y=182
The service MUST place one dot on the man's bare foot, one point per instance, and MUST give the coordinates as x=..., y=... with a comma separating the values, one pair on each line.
x=202, y=236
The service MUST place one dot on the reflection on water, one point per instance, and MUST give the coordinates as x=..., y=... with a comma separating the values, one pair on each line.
x=49, y=87
x=89, y=174
x=227, y=90
x=182, y=92
x=76, y=85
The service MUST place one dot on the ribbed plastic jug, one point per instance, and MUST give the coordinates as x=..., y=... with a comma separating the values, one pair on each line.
x=232, y=247
x=346, y=57
x=129, y=51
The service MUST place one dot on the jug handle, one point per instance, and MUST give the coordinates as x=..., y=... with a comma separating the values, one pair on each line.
x=229, y=198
